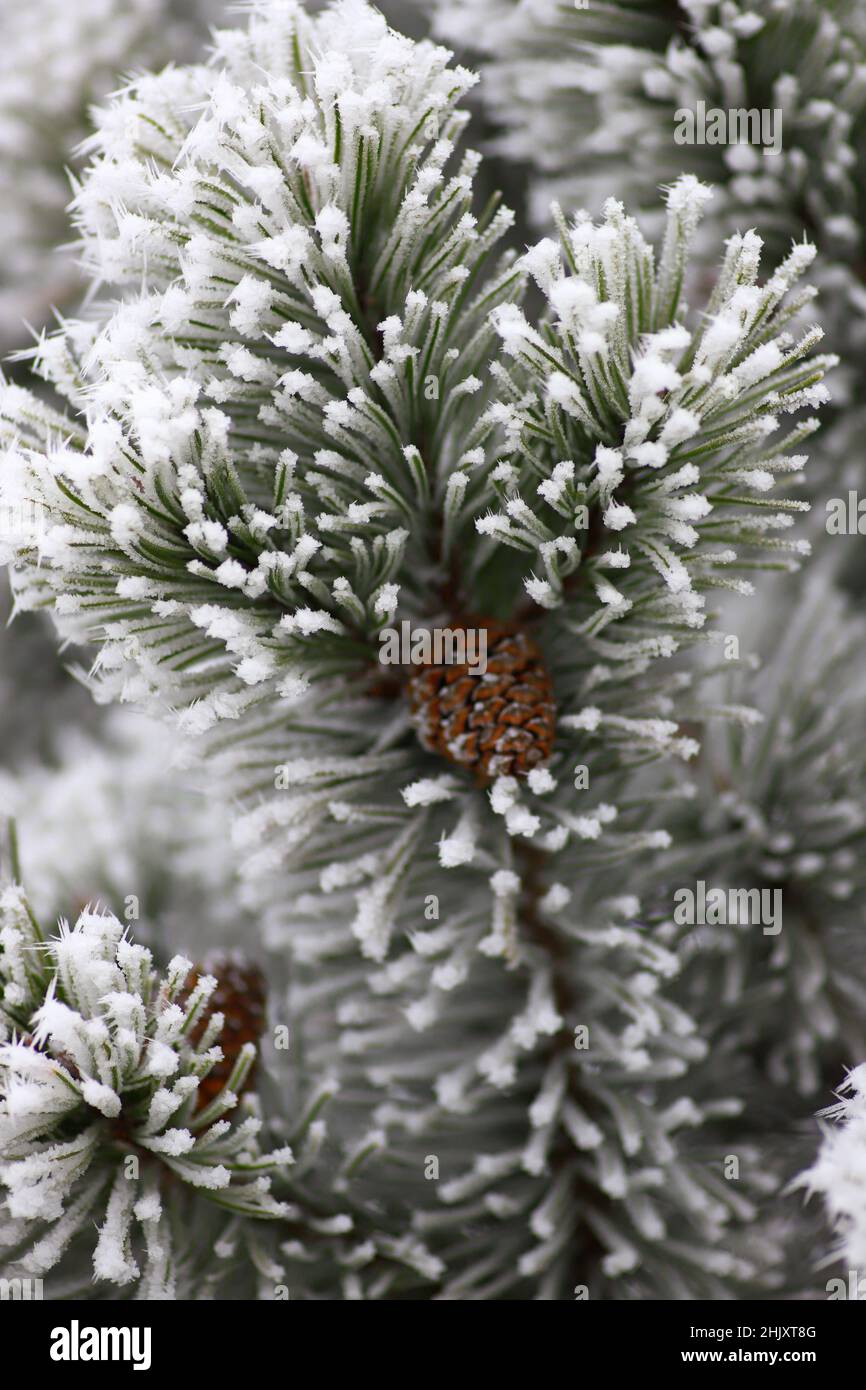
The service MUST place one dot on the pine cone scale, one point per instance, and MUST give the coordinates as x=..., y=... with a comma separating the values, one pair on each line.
x=499, y=723
x=240, y=996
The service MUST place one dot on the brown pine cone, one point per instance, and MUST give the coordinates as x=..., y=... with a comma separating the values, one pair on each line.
x=240, y=996
x=501, y=723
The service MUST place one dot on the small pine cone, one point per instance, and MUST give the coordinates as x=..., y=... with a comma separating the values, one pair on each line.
x=501, y=723
x=240, y=996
